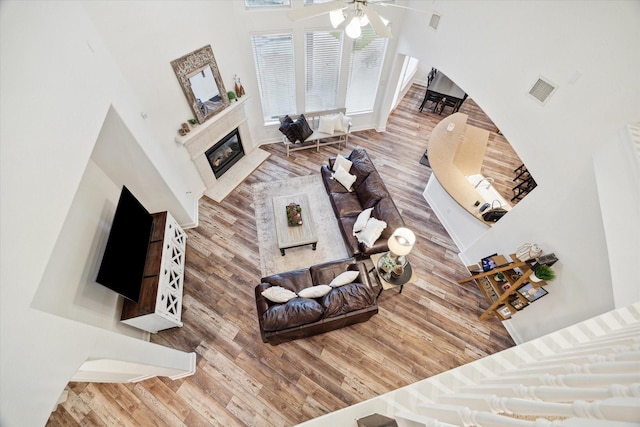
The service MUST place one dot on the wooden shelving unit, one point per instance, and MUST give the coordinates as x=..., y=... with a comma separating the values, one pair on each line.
x=504, y=297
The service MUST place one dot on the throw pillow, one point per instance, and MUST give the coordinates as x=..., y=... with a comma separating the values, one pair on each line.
x=327, y=124
x=304, y=129
x=344, y=178
x=315, y=291
x=342, y=161
x=342, y=123
x=371, y=232
x=278, y=294
x=344, y=278
x=361, y=221
x=288, y=130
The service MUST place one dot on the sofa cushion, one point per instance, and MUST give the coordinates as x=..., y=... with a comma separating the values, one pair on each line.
x=387, y=210
x=344, y=278
x=346, y=204
x=303, y=127
x=314, y=291
x=330, y=184
x=361, y=221
x=344, y=178
x=371, y=191
x=371, y=232
x=296, y=312
x=294, y=280
x=291, y=132
x=361, y=166
x=327, y=124
x=341, y=161
x=347, y=298
x=342, y=122
x=278, y=294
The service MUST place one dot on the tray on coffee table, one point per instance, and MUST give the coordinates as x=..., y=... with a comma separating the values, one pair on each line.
x=298, y=235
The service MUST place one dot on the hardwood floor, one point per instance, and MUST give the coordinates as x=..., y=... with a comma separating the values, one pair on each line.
x=431, y=327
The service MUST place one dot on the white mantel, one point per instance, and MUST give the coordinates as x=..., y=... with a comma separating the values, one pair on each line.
x=206, y=135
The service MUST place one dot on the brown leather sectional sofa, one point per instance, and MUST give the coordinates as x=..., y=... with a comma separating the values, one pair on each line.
x=368, y=191
x=303, y=317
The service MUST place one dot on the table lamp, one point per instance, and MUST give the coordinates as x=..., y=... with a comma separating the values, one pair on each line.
x=400, y=244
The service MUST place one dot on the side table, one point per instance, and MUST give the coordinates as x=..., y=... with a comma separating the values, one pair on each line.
x=408, y=276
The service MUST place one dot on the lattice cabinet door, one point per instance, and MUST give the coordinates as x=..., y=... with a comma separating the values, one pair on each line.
x=169, y=303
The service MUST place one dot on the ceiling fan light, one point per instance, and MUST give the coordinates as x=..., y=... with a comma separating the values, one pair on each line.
x=337, y=17
x=353, y=29
x=364, y=21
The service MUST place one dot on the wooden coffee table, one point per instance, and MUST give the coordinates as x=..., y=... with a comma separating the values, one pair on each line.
x=297, y=235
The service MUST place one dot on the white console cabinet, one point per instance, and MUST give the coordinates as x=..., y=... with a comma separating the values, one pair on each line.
x=160, y=303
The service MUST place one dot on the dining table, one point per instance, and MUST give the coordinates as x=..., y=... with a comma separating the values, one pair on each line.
x=443, y=92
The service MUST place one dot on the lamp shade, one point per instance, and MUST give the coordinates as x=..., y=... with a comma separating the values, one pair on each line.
x=401, y=241
x=353, y=29
x=336, y=17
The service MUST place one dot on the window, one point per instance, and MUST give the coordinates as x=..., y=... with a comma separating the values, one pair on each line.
x=364, y=71
x=273, y=56
x=322, y=69
x=266, y=3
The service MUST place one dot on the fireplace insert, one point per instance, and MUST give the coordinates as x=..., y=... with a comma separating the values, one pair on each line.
x=225, y=153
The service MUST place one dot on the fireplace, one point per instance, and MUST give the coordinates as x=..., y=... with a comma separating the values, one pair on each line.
x=225, y=153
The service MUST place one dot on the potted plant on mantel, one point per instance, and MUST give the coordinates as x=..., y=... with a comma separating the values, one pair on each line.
x=542, y=272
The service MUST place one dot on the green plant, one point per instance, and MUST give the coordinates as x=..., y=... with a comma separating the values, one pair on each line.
x=231, y=95
x=500, y=277
x=544, y=272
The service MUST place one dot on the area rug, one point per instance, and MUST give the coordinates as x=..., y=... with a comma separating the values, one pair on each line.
x=330, y=243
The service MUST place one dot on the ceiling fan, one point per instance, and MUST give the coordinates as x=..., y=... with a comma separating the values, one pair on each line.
x=358, y=13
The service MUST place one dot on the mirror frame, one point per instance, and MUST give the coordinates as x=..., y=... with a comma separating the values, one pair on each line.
x=186, y=66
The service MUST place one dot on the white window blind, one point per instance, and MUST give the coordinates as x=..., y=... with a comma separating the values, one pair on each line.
x=273, y=56
x=322, y=69
x=364, y=71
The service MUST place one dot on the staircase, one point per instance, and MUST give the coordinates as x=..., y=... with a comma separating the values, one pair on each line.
x=586, y=375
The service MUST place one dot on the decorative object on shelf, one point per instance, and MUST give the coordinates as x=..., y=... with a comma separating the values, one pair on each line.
x=506, y=286
x=397, y=271
x=237, y=85
x=528, y=251
x=232, y=95
x=542, y=272
x=548, y=259
x=504, y=312
x=294, y=214
x=531, y=293
x=184, y=129
x=494, y=214
x=499, y=277
x=192, y=122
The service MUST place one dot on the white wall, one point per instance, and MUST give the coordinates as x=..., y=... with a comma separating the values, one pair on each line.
x=57, y=83
x=496, y=51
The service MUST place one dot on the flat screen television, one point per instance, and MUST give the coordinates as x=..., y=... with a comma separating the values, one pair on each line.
x=122, y=266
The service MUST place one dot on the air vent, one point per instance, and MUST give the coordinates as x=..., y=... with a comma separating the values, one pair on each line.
x=542, y=90
x=435, y=20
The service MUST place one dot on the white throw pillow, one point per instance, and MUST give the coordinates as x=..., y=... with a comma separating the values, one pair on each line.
x=371, y=232
x=327, y=124
x=361, y=221
x=342, y=161
x=344, y=278
x=344, y=178
x=342, y=123
x=315, y=291
x=278, y=294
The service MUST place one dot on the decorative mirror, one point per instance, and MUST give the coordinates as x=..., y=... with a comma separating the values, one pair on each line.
x=201, y=83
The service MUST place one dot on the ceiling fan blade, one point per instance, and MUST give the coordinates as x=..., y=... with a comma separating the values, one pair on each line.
x=306, y=12
x=385, y=4
x=376, y=23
